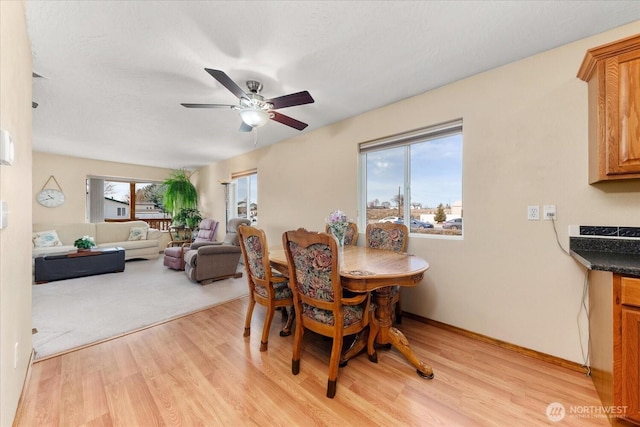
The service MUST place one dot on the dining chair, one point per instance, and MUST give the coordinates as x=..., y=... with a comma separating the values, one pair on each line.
x=267, y=288
x=350, y=236
x=319, y=305
x=394, y=237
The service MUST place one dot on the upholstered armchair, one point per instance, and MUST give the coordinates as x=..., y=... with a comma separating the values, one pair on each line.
x=314, y=279
x=215, y=261
x=174, y=253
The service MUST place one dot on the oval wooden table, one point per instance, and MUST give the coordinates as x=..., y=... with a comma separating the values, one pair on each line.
x=363, y=269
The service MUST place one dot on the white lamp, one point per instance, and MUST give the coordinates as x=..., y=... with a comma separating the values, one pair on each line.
x=254, y=117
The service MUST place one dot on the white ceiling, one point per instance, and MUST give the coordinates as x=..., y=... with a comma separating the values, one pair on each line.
x=115, y=72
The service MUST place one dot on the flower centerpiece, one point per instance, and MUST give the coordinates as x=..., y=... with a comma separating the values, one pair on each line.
x=337, y=222
x=84, y=243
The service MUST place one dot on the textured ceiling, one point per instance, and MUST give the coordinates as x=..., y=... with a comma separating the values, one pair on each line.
x=115, y=72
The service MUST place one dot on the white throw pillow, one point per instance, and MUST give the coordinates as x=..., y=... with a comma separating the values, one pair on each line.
x=42, y=239
x=138, y=233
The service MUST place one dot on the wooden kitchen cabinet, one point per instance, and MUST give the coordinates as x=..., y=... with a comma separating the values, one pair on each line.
x=613, y=74
x=630, y=347
x=614, y=323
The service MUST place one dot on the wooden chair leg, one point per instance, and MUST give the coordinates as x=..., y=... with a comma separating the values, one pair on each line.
x=285, y=314
x=247, y=321
x=336, y=351
x=297, y=344
x=374, y=328
x=331, y=388
x=264, y=344
x=286, y=330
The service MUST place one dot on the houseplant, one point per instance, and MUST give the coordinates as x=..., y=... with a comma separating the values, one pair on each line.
x=84, y=243
x=178, y=192
x=188, y=216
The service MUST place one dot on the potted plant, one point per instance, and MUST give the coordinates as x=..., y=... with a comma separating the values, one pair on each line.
x=84, y=243
x=188, y=216
x=178, y=192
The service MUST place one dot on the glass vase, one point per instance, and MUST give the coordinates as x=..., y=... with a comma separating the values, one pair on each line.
x=338, y=235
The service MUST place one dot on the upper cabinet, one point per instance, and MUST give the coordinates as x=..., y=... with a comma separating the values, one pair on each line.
x=613, y=74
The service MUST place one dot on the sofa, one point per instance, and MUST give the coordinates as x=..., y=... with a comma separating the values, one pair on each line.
x=137, y=239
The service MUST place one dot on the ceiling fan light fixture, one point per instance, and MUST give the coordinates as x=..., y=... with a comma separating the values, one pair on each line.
x=254, y=117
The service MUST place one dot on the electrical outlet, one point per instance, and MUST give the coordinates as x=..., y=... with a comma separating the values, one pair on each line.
x=549, y=212
x=533, y=213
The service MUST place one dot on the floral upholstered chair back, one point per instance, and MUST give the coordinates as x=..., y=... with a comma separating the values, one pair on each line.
x=253, y=243
x=315, y=277
x=266, y=287
x=350, y=235
x=387, y=235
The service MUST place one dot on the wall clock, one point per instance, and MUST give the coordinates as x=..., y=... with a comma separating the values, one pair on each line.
x=50, y=197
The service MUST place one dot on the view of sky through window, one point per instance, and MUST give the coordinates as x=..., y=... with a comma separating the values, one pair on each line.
x=435, y=176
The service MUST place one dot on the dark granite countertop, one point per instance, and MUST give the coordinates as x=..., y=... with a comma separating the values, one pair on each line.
x=616, y=255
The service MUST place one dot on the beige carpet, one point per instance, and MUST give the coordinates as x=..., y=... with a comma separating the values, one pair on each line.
x=75, y=312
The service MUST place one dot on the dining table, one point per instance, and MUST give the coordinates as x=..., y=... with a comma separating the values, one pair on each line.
x=364, y=269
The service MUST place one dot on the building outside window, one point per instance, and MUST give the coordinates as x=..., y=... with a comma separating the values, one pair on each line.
x=415, y=178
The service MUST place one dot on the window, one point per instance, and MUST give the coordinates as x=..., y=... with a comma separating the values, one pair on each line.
x=415, y=178
x=245, y=197
x=111, y=200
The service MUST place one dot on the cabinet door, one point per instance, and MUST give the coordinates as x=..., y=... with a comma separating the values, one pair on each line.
x=623, y=113
x=630, y=362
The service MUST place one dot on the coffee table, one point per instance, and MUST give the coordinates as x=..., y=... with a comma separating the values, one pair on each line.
x=78, y=264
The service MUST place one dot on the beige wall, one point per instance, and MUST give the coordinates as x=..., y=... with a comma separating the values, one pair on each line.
x=15, y=189
x=525, y=143
x=71, y=173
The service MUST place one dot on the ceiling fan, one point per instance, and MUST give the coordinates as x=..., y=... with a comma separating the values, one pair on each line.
x=255, y=111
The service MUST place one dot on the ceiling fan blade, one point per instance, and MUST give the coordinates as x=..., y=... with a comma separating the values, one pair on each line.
x=209, y=106
x=299, y=98
x=289, y=121
x=245, y=127
x=226, y=81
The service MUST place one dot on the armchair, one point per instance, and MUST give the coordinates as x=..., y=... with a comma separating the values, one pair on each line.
x=174, y=253
x=218, y=260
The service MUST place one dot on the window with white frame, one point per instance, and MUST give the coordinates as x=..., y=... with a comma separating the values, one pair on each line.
x=244, y=200
x=415, y=178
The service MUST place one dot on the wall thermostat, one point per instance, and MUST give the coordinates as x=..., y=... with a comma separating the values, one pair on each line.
x=6, y=148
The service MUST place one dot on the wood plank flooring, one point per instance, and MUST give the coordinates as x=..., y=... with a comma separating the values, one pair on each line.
x=199, y=370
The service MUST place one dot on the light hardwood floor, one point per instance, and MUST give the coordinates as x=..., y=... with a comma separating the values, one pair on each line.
x=199, y=370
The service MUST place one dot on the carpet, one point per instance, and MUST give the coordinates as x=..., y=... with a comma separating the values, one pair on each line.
x=76, y=312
